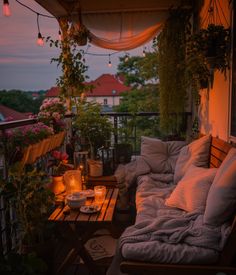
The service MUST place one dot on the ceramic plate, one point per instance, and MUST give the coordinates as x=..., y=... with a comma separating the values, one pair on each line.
x=89, y=209
x=89, y=193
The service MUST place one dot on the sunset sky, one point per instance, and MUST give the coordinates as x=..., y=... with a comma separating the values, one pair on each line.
x=25, y=65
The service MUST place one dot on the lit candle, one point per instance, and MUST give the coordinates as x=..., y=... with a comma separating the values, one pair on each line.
x=99, y=194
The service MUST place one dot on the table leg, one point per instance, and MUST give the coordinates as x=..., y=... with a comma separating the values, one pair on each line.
x=78, y=243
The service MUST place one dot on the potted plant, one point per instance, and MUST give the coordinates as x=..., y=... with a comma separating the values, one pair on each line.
x=25, y=144
x=208, y=50
x=93, y=129
x=58, y=165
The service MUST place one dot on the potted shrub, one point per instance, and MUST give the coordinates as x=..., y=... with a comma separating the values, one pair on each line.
x=33, y=204
x=93, y=130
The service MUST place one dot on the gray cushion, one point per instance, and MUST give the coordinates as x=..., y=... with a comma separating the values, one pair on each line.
x=196, y=153
x=221, y=200
x=161, y=156
x=191, y=192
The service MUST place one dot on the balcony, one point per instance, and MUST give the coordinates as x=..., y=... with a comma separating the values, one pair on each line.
x=128, y=128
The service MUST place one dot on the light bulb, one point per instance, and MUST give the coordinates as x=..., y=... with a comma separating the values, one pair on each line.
x=40, y=41
x=59, y=35
x=109, y=62
x=6, y=8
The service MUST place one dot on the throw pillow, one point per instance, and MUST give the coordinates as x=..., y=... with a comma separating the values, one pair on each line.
x=196, y=153
x=160, y=156
x=191, y=192
x=221, y=200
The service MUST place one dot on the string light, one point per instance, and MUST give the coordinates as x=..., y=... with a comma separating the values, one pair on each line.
x=144, y=51
x=40, y=41
x=126, y=57
x=6, y=8
x=59, y=35
x=109, y=62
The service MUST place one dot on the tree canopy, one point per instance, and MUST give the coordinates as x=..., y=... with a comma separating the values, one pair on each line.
x=21, y=101
x=141, y=73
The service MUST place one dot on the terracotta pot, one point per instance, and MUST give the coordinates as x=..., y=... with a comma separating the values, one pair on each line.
x=57, y=185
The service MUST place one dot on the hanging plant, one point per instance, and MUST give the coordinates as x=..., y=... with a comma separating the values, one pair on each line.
x=208, y=50
x=171, y=45
x=72, y=62
x=79, y=35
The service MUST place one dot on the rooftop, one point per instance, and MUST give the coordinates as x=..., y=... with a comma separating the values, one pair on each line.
x=105, y=85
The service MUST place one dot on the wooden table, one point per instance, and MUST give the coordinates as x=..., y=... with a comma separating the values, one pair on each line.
x=79, y=228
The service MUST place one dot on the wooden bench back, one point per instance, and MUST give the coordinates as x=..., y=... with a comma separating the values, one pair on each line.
x=218, y=152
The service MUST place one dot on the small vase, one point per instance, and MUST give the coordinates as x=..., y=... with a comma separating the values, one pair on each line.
x=57, y=185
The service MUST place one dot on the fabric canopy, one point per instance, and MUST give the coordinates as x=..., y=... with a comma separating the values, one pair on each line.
x=121, y=31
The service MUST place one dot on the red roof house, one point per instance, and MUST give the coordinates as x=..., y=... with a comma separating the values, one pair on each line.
x=105, y=85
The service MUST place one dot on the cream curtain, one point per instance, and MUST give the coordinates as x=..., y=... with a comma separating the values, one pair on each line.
x=122, y=31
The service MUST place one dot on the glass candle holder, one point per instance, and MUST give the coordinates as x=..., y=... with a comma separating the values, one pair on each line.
x=99, y=194
x=73, y=181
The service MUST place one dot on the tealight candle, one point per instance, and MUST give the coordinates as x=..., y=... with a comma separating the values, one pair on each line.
x=99, y=194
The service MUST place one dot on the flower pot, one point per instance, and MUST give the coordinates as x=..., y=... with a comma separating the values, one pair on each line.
x=34, y=153
x=46, y=145
x=95, y=168
x=57, y=185
x=26, y=153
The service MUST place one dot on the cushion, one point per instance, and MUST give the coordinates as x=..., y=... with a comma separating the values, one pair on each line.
x=191, y=192
x=196, y=153
x=161, y=156
x=221, y=200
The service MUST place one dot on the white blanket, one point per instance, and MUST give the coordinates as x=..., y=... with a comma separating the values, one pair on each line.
x=160, y=229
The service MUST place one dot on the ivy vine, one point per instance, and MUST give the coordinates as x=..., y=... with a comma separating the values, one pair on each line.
x=72, y=63
x=171, y=45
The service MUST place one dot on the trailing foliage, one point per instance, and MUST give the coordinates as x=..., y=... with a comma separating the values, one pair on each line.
x=172, y=46
x=72, y=62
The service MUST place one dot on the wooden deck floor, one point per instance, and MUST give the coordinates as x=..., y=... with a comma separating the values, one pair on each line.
x=77, y=267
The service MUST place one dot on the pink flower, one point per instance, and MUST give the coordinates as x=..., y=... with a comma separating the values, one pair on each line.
x=64, y=156
x=56, y=154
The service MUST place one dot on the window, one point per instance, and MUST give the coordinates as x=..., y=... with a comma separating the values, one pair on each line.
x=105, y=101
x=233, y=96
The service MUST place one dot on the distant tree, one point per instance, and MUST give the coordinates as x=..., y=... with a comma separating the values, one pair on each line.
x=139, y=100
x=20, y=101
x=138, y=71
x=141, y=73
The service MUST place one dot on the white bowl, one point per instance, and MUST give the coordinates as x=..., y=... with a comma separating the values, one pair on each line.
x=75, y=200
